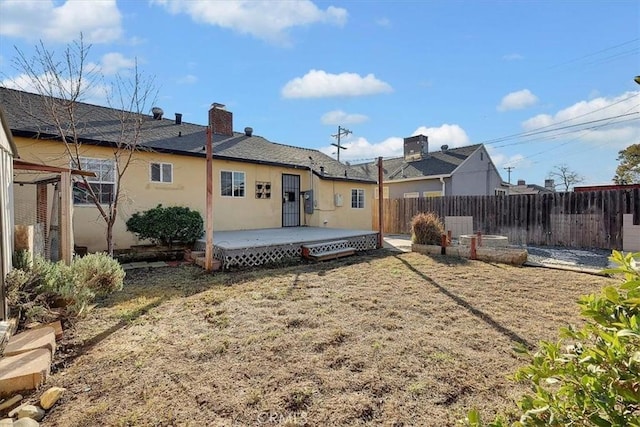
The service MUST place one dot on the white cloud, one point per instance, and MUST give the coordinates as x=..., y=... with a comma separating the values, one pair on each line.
x=359, y=149
x=111, y=63
x=189, y=79
x=451, y=135
x=501, y=160
x=99, y=21
x=518, y=100
x=320, y=84
x=92, y=92
x=339, y=117
x=513, y=57
x=601, y=126
x=383, y=22
x=265, y=19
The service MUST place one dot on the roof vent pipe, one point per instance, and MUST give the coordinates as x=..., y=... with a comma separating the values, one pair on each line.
x=321, y=170
x=248, y=131
x=157, y=113
x=444, y=148
x=178, y=118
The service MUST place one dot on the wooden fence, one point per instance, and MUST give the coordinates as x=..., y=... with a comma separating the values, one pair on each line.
x=581, y=220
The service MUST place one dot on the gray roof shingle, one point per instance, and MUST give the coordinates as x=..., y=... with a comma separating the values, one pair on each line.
x=27, y=116
x=436, y=163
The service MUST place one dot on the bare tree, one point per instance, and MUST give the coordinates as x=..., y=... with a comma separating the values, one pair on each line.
x=63, y=83
x=565, y=177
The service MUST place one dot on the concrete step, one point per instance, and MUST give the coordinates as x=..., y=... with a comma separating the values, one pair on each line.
x=24, y=371
x=23, y=342
x=327, y=255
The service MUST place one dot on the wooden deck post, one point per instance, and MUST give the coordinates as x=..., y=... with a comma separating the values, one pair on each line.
x=443, y=244
x=380, y=204
x=479, y=236
x=66, y=224
x=208, y=250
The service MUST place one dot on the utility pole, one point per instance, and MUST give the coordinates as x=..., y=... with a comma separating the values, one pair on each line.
x=341, y=132
x=509, y=169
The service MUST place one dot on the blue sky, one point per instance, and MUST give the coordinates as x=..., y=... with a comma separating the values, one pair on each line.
x=542, y=83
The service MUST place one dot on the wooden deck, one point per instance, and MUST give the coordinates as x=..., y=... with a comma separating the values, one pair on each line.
x=247, y=248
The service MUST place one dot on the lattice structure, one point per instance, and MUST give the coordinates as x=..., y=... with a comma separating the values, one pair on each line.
x=255, y=256
x=251, y=257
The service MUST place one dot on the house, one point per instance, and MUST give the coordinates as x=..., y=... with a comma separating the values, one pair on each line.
x=8, y=151
x=463, y=171
x=257, y=183
x=605, y=187
x=523, y=188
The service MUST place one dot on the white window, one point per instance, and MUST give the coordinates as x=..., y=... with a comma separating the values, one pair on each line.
x=161, y=172
x=232, y=184
x=385, y=193
x=357, y=198
x=500, y=192
x=431, y=193
x=103, y=184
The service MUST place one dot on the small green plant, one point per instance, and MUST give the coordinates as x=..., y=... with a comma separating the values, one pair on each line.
x=99, y=272
x=21, y=259
x=167, y=225
x=426, y=229
x=592, y=376
x=44, y=285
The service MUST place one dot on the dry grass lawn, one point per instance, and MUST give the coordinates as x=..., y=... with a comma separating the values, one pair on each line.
x=376, y=339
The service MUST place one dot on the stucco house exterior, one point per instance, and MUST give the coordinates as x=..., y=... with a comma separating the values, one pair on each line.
x=257, y=183
x=463, y=171
x=8, y=151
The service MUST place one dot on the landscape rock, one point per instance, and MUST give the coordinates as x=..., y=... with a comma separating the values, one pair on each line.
x=30, y=411
x=6, y=422
x=10, y=402
x=26, y=422
x=51, y=396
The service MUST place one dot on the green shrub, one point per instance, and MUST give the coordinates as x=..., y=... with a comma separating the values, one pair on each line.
x=98, y=272
x=426, y=229
x=592, y=376
x=21, y=259
x=35, y=290
x=167, y=225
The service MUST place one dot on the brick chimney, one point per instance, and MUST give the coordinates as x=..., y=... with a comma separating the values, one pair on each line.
x=221, y=120
x=416, y=148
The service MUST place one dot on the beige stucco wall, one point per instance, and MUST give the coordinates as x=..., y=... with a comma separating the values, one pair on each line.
x=188, y=188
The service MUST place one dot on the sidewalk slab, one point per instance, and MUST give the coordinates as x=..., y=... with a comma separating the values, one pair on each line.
x=44, y=337
x=24, y=371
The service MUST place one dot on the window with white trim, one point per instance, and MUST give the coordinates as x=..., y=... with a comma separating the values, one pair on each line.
x=357, y=198
x=161, y=172
x=232, y=184
x=103, y=184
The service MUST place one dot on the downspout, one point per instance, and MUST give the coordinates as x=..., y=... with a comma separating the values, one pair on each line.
x=443, y=185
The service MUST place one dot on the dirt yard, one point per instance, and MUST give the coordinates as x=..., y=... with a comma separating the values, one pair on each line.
x=380, y=339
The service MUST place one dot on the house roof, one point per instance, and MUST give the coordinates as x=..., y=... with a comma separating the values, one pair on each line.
x=437, y=163
x=7, y=131
x=98, y=125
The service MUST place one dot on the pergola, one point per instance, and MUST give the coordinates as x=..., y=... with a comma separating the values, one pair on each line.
x=62, y=175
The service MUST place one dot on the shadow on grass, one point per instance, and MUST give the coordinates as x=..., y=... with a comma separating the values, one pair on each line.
x=461, y=302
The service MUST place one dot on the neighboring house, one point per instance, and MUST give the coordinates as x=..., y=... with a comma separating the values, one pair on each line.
x=463, y=171
x=523, y=188
x=605, y=187
x=257, y=183
x=8, y=151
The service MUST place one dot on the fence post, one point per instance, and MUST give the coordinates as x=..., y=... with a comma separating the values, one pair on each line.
x=479, y=236
x=443, y=244
x=473, y=254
